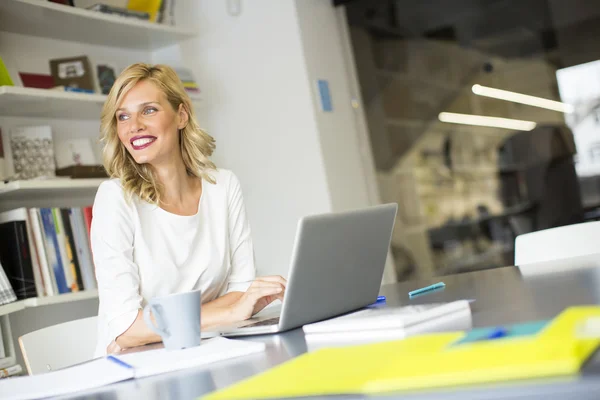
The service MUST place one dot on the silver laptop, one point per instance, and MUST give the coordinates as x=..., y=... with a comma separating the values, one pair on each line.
x=336, y=267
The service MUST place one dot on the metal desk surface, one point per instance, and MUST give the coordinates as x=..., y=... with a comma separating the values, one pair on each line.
x=502, y=296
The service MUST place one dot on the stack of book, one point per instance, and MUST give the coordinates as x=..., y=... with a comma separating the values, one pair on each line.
x=46, y=251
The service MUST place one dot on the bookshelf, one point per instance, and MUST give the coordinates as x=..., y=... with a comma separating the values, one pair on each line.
x=44, y=103
x=48, y=193
x=56, y=21
x=48, y=300
x=33, y=32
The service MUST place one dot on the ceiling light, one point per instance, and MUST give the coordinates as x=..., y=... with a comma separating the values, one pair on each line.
x=522, y=98
x=481, y=120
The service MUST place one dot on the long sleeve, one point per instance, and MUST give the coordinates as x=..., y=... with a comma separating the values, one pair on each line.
x=118, y=277
x=243, y=270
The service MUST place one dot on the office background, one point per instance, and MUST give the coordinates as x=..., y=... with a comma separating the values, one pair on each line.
x=388, y=69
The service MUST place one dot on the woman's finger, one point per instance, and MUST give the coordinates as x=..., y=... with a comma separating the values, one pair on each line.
x=260, y=285
x=257, y=293
x=273, y=278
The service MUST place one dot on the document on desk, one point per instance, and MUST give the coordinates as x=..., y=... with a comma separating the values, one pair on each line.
x=103, y=371
x=85, y=376
x=388, y=323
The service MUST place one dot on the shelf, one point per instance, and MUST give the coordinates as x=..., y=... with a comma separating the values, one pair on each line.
x=46, y=103
x=57, y=21
x=63, y=298
x=48, y=300
x=47, y=187
x=12, y=307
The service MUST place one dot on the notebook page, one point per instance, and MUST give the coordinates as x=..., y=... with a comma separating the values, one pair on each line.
x=159, y=361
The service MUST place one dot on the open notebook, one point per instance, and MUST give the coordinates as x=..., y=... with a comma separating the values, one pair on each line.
x=104, y=371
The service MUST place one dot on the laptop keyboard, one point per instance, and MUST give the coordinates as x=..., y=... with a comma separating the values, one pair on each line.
x=270, y=321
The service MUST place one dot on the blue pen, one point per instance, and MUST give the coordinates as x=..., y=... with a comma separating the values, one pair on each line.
x=497, y=333
x=119, y=362
x=429, y=288
x=380, y=298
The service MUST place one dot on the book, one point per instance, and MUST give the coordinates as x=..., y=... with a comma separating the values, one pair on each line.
x=63, y=88
x=5, y=79
x=39, y=81
x=3, y=175
x=390, y=318
x=32, y=152
x=122, y=12
x=6, y=166
x=71, y=248
x=50, y=287
x=53, y=251
x=151, y=7
x=65, y=254
x=82, y=248
x=106, y=77
x=74, y=72
x=189, y=82
x=7, y=294
x=87, y=217
x=21, y=214
x=16, y=258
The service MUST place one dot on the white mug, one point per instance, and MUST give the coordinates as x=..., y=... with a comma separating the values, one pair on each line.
x=177, y=319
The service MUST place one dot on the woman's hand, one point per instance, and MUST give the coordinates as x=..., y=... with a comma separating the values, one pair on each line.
x=262, y=292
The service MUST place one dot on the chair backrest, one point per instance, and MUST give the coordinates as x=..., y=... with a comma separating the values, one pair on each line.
x=59, y=346
x=557, y=243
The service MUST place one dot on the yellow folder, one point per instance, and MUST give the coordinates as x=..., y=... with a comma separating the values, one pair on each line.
x=427, y=361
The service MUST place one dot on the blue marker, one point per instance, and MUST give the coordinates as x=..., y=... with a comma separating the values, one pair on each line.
x=119, y=362
x=435, y=286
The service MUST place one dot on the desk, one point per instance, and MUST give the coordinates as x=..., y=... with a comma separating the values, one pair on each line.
x=502, y=296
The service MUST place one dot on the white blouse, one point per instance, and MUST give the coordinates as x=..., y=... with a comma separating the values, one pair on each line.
x=141, y=251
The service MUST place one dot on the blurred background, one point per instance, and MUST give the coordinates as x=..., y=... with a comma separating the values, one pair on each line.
x=467, y=187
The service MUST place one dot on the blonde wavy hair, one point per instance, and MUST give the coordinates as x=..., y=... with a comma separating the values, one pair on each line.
x=196, y=145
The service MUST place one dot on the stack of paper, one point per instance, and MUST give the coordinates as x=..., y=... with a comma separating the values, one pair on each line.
x=388, y=323
x=104, y=371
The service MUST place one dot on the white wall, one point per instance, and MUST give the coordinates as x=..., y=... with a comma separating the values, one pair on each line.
x=259, y=109
x=258, y=73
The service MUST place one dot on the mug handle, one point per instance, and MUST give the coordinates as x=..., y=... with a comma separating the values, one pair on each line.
x=160, y=328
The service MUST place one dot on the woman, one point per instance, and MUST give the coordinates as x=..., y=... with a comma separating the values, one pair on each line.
x=169, y=221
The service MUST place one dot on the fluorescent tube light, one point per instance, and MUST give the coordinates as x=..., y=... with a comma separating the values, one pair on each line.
x=522, y=98
x=481, y=120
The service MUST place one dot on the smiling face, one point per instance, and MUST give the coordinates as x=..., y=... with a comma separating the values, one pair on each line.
x=148, y=126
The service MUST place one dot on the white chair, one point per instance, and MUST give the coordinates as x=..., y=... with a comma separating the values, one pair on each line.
x=558, y=243
x=59, y=346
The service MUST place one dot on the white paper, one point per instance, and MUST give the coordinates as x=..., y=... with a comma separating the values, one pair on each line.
x=101, y=372
x=85, y=376
x=159, y=361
